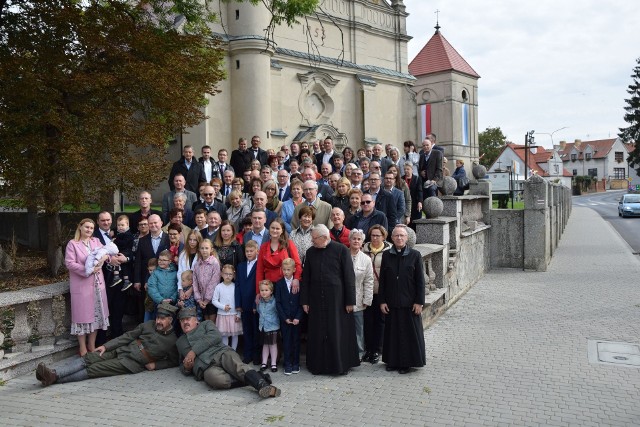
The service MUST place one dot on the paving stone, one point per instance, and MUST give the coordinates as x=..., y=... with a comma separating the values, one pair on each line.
x=512, y=351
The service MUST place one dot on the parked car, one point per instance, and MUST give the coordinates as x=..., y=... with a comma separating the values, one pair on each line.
x=629, y=205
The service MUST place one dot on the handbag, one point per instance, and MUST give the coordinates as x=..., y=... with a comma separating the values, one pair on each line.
x=463, y=182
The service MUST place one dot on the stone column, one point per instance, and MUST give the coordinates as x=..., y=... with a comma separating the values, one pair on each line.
x=21, y=330
x=536, y=220
x=46, y=325
x=436, y=231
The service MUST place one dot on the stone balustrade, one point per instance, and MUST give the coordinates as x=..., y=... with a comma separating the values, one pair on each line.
x=41, y=320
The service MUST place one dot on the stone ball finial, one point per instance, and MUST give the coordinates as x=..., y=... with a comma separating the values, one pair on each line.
x=432, y=207
x=449, y=185
x=536, y=179
x=411, y=241
x=479, y=171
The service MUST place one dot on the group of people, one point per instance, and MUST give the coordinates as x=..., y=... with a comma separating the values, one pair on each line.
x=282, y=252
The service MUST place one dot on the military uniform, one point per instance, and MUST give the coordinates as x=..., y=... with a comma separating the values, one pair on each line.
x=127, y=354
x=215, y=362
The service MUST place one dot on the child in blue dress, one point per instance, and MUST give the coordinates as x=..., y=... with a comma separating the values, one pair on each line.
x=268, y=324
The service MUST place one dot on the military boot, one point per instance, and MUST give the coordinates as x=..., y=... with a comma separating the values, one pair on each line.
x=257, y=381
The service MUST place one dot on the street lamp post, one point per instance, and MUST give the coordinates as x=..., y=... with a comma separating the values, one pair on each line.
x=551, y=134
x=528, y=144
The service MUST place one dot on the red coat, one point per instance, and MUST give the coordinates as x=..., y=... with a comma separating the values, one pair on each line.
x=270, y=263
x=344, y=237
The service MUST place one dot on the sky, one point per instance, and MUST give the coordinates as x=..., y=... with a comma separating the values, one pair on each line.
x=545, y=67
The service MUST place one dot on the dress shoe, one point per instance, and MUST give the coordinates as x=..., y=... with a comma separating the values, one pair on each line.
x=366, y=357
x=404, y=370
x=390, y=368
x=374, y=358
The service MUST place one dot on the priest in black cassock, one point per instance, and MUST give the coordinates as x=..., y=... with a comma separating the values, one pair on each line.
x=401, y=296
x=328, y=296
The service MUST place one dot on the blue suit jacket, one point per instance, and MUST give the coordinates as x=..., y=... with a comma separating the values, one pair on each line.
x=245, y=287
x=287, y=193
x=288, y=304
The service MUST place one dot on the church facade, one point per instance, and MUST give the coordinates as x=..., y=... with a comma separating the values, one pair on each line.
x=344, y=73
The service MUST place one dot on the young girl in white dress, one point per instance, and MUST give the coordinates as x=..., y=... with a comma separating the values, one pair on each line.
x=228, y=320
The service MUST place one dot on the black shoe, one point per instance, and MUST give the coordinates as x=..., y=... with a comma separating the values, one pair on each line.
x=266, y=377
x=263, y=367
x=126, y=285
x=116, y=280
x=246, y=360
x=274, y=368
x=390, y=368
x=366, y=357
x=374, y=358
x=404, y=370
x=257, y=381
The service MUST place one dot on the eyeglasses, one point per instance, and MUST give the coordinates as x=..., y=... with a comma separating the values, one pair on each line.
x=308, y=189
x=140, y=224
x=208, y=194
x=366, y=202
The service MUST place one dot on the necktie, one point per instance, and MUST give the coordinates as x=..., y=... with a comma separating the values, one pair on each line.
x=221, y=168
x=226, y=191
x=281, y=193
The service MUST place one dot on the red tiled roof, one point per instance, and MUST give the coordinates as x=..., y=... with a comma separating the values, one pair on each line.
x=601, y=148
x=438, y=55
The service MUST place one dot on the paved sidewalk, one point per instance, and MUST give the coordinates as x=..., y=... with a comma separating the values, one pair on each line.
x=512, y=351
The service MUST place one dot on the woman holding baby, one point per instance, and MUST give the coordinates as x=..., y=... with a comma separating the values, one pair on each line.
x=89, y=311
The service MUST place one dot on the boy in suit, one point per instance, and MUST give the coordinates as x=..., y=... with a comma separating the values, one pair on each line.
x=245, y=294
x=290, y=313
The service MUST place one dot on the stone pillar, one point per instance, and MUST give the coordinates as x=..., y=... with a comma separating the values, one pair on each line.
x=482, y=188
x=452, y=207
x=21, y=330
x=436, y=231
x=46, y=325
x=536, y=221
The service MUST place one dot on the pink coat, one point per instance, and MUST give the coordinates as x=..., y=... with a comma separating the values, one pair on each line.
x=81, y=287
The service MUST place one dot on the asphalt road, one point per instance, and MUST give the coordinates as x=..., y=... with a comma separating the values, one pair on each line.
x=606, y=205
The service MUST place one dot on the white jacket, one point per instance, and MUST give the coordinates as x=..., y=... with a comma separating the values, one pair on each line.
x=364, y=280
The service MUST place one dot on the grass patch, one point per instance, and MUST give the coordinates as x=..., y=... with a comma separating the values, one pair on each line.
x=517, y=205
x=426, y=389
x=274, y=418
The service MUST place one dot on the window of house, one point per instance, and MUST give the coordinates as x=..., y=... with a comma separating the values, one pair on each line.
x=619, y=173
x=593, y=172
x=574, y=157
x=575, y=172
x=619, y=155
x=588, y=156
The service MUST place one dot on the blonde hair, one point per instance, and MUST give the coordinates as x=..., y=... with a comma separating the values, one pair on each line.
x=228, y=267
x=77, y=235
x=122, y=218
x=267, y=283
x=187, y=275
x=288, y=262
x=251, y=244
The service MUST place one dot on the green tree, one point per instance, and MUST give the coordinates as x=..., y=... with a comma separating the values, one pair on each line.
x=92, y=91
x=632, y=116
x=492, y=141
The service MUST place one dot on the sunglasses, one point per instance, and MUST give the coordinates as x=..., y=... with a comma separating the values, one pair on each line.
x=366, y=202
x=208, y=194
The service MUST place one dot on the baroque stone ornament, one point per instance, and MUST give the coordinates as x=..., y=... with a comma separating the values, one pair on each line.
x=479, y=171
x=449, y=185
x=411, y=240
x=432, y=207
